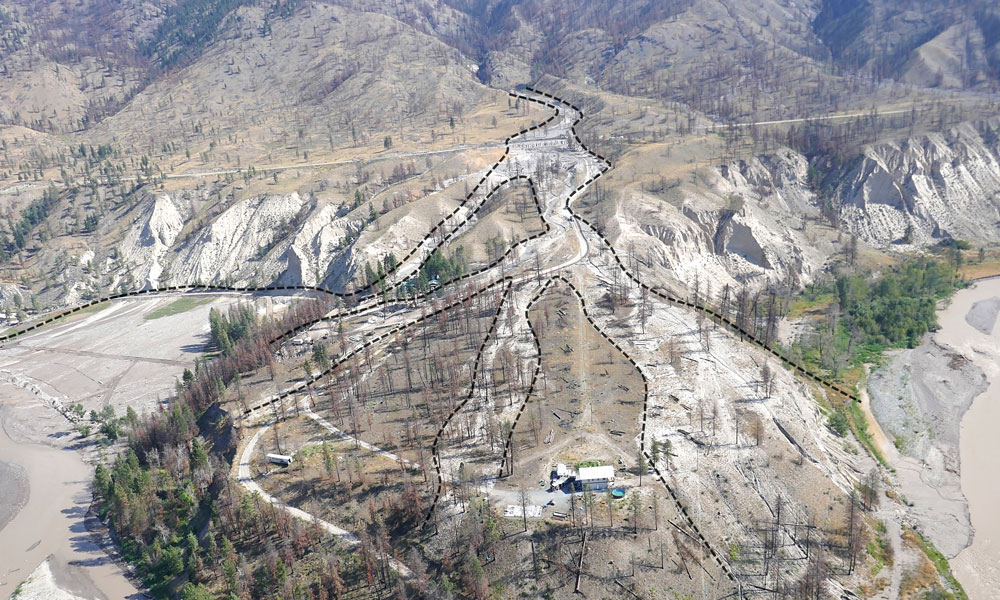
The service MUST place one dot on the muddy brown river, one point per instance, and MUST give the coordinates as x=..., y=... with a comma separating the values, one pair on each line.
x=966, y=326
x=51, y=524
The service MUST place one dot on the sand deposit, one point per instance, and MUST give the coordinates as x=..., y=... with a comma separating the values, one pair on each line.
x=919, y=398
x=41, y=584
x=13, y=492
x=113, y=356
x=983, y=315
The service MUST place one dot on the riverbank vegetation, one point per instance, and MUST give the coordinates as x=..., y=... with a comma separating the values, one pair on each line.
x=853, y=318
x=858, y=316
x=940, y=562
x=176, y=513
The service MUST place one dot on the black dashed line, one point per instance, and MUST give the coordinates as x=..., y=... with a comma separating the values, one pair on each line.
x=365, y=291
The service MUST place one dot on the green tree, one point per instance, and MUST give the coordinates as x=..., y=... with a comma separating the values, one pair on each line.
x=321, y=357
x=370, y=277
x=640, y=463
x=77, y=410
x=131, y=417
x=110, y=430
x=102, y=481
x=199, y=457
x=171, y=562
x=192, y=591
x=191, y=548
x=328, y=459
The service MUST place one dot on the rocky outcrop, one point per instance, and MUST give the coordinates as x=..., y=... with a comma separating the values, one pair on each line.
x=259, y=240
x=230, y=249
x=755, y=221
x=742, y=223
x=914, y=192
x=762, y=219
x=315, y=246
x=10, y=295
x=153, y=234
x=940, y=185
x=738, y=238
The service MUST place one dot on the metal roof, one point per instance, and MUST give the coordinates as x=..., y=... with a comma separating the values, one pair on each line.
x=592, y=473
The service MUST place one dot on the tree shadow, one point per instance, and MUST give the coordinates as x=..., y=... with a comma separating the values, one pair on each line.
x=197, y=348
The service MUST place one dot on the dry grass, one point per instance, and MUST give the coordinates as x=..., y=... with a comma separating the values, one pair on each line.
x=987, y=268
x=357, y=478
x=918, y=580
x=408, y=385
x=509, y=216
x=589, y=396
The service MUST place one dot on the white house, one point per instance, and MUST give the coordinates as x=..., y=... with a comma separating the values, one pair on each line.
x=596, y=479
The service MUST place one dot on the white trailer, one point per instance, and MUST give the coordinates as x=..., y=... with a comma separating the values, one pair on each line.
x=280, y=459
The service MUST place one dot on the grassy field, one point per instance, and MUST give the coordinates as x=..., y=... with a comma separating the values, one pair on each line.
x=176, y=307
x=588, y=405
x=94, y=308
x=987, y=268
x=810, y=305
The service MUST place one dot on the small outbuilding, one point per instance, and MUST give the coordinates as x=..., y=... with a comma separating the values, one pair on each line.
x=561, y=475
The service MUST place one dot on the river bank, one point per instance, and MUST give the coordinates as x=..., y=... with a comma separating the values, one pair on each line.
x=128, y=354
x=939, y=403
x=919, y=396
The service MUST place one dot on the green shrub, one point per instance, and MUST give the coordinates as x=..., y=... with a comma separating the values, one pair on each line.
x=838, y=423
